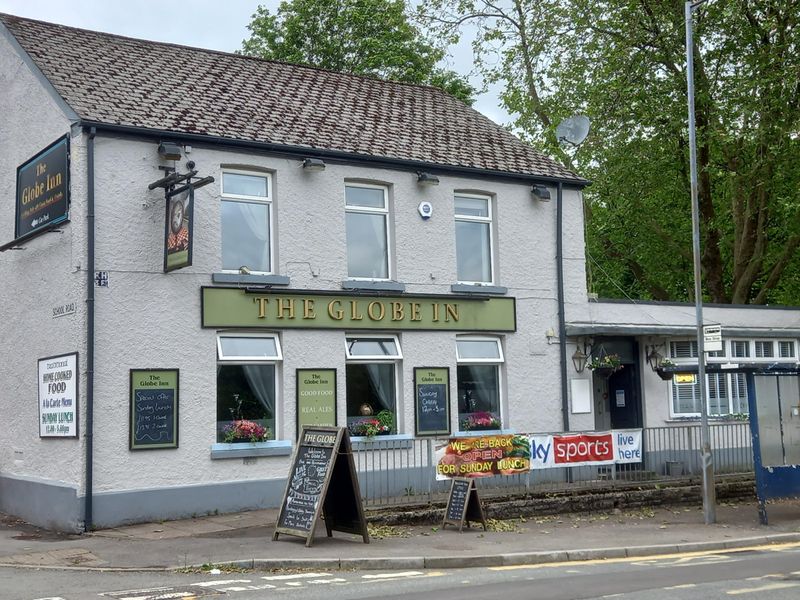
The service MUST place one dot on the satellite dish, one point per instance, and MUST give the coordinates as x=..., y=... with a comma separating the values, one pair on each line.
x=573, y=130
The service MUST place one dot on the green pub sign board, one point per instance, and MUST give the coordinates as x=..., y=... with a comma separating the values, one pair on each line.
x=154, y=409
x=43, y=190
x=316, y=398
x=235, y=307
x=432, y=400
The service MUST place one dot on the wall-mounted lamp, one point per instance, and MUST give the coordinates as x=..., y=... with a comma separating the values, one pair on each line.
x=654, y=358
x=579, y=359
x=424, y=178
x=313, y=164
x=541, y=192
x=169, y=151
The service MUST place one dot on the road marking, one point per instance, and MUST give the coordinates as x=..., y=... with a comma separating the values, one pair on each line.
x=223, y=582
x=763, y=588
x=639, y=559
x=392, y=575
x=296, y=576
x=682, y=586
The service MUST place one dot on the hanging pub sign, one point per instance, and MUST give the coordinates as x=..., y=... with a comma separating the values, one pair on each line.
x=58, y=396
x=43, y=190
x=178, y=231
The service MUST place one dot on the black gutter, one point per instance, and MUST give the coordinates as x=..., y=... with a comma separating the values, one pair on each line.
x=334, y=155
x=562, y=325
x=87, y=518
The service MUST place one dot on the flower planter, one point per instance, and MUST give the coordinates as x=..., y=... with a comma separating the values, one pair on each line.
x=665, y=375
x=605, y=372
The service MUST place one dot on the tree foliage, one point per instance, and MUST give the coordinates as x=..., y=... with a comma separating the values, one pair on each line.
x=363, y=37
x=622, y=63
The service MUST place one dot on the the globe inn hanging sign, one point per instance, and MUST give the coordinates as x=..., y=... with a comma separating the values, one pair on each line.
x=236, y=307
x=42, y=199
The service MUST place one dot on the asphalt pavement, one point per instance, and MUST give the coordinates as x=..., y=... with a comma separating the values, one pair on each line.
x=245, y=540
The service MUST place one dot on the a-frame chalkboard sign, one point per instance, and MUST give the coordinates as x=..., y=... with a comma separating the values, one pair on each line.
x=322, y=480
x=463, y=504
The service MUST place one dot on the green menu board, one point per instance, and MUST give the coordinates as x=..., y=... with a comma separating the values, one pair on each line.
x=316, y=398
x=153, y=409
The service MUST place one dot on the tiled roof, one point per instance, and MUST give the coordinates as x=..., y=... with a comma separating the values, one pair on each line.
x=122, y=81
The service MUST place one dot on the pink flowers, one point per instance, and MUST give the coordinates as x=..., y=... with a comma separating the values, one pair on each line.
x=480, y=420
x=245, y=431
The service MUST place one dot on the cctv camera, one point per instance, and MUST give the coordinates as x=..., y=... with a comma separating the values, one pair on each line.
x=190, y=165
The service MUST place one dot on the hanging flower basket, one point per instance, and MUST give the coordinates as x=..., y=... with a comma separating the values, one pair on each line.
x=605, y=365
x=665, y=375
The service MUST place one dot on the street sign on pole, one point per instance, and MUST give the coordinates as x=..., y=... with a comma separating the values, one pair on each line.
x=712, y=338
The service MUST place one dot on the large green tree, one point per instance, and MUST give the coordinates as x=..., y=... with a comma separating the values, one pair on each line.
x=364, y=37
x=622, y=63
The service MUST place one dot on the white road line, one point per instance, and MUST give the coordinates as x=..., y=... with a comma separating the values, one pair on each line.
x=393, y=575
x=682, y=586
x=763, y=588
x=296, y=576
x=222, y=582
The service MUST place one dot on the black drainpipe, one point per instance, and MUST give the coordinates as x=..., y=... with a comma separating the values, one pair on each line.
x=87, y=518
x=562, y=326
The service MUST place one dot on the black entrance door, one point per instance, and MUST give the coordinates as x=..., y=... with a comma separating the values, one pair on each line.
x=623, y=395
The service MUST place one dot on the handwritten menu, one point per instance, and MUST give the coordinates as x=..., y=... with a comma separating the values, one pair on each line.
x=154, y=409
x=432, y=401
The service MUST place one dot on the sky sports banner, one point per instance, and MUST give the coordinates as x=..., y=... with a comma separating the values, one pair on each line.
x=489, y=455
x=579, y=449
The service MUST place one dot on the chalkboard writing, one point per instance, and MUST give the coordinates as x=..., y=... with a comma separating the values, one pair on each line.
x=306, y=482
x=322, y=480
x=154, y=409
x=459, y=494
x=432, y=401
x=463, y=504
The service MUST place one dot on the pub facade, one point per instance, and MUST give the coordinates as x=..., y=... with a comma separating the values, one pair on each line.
x=198, y=263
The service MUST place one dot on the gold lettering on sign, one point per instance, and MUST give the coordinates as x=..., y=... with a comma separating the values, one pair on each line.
x=397, y=311
x=285, y=305
x=308, y=309
x=262, y=306
x=435, y=311
x=381, y=311
x=334, y=310
x=451, y=310
x=354, y=311
x=415, y=316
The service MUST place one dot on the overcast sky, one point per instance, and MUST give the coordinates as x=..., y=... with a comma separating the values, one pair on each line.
x=214, y=24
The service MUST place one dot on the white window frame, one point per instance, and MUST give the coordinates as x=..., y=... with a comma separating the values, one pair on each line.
x=276, y=361
x=268, y=200
x=371, y=211
x=499, y=362
x=793, y=355
x=476, y=338
x=490, y=221
x=249, y=359
x=372, y=358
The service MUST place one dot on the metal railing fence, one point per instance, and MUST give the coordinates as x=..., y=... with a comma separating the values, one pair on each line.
x=403, y=472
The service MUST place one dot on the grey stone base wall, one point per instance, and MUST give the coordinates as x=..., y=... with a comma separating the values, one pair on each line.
x=48, y=504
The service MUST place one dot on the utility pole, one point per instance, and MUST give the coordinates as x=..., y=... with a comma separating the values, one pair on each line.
x=709, y=488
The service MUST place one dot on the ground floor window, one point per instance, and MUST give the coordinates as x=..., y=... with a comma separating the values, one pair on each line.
x=371, y=375
x=726, y=394
x=246, y=388
x=478, y=375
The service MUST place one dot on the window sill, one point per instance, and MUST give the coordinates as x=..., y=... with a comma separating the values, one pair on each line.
x=478, y=289
x=239, y=278
x=480, y=432
x=377, y=286
x=381, y=442
x=696, y=420
x=248, y=449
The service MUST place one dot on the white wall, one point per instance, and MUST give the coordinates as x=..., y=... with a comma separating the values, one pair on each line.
x=148, y=319
x=49, y=271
